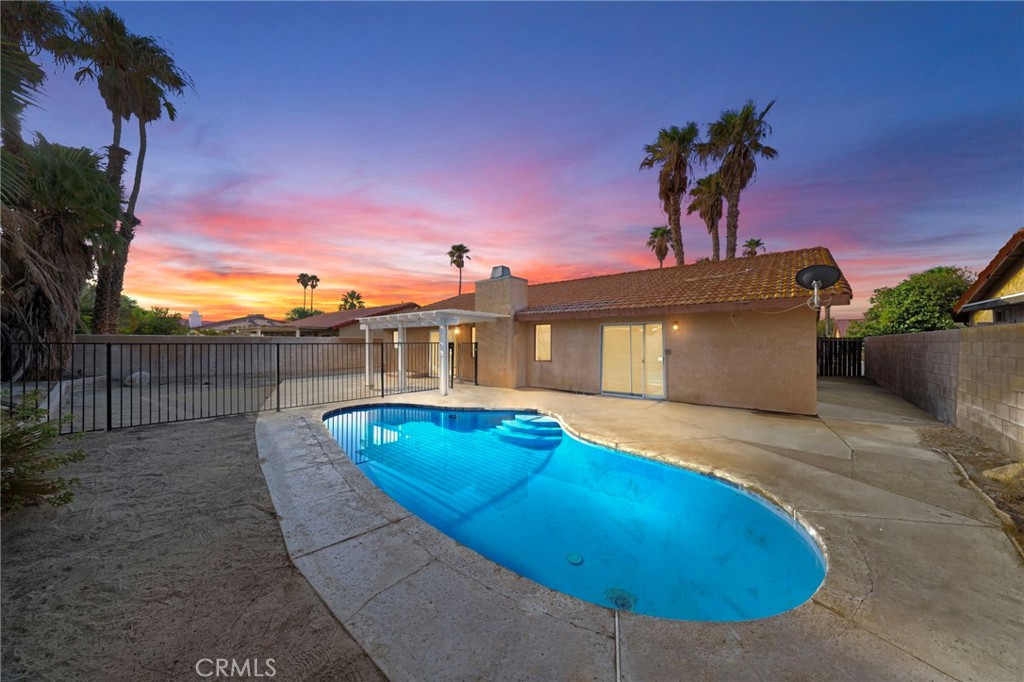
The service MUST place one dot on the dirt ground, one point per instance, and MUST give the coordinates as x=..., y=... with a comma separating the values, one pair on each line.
x=169, y=554
x=976, y=458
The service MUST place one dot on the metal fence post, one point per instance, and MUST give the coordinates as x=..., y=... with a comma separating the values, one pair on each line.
x=277, y=374
x=476, y=364
x=110, y=390
x=382, y=390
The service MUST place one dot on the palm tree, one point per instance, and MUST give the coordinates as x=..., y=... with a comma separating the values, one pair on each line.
x=706, y=201
x=303, y=279
x=134, y=75
x=458, y=255
x=101, y=42
x=26, y=28
x=751, y=246
x=658, y=243
x=314, y=282
x=674, y=151
x=157, y=75
x=735, y=139
x=52, y=227
x=352, y=300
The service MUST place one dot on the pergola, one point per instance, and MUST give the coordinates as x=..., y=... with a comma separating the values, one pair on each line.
x=442, y=319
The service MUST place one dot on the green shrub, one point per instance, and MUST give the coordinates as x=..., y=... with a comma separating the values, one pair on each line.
x=27, y=460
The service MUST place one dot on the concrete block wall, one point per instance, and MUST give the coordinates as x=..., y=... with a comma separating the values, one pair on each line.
x=972, y=378
x=197, y=358
x=990, y=394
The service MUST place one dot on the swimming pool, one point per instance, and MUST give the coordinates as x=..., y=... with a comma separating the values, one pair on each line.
x=613, y=529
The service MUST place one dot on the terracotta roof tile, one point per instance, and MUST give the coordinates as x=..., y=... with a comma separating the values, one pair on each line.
x=343, y=318
x=731, y=283
x=1012, y=251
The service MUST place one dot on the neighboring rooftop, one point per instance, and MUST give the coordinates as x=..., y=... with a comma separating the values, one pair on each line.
x=254, y=320
x=984, y=294
x=766, y=281
x=842, y=327
x=344, y=318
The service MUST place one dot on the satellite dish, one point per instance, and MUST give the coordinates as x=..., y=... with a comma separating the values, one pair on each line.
x=816, y=277
x=823, y=276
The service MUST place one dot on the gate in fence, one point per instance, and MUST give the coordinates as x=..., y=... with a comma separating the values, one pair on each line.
x=88, y=386
x=840, y=357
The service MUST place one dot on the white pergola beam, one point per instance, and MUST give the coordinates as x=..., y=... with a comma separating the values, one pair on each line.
x=427, y=318
x=369, y=356
x=402, y=359
x=442, y=319
x=443, y=349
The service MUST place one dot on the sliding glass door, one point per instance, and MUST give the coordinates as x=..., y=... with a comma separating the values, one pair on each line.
x=632, y=360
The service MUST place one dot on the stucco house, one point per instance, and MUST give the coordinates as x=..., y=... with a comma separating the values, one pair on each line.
x=998, y=294
x=841, y=328
x=736, y=333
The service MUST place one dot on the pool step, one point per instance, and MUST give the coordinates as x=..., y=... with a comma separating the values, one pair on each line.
x=533, y=423
x=531, y=431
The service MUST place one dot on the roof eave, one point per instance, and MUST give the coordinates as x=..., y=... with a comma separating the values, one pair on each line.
x=1007, y=256
x=762, y=305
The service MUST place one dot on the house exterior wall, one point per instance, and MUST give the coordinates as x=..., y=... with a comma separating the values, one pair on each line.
x=762, y=361
x=972, y=378
x=575, y=363
x=501, y=343
x=1012, y=283
x=747, y=360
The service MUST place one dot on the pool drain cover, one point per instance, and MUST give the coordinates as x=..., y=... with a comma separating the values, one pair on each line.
x=620, y=599
x=574, y=558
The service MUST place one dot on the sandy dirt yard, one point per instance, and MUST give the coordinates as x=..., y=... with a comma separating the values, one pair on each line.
x=976, y=459
x=170, y=553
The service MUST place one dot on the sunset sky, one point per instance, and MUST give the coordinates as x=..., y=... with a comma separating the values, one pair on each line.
x=359, y=141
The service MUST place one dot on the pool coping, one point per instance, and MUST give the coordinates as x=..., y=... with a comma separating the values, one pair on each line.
x=717, y=474
x=425, y=607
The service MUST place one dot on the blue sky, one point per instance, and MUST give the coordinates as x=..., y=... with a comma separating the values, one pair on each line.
x=358, y=141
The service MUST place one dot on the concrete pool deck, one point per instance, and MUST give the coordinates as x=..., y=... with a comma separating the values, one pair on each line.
x=922, y=582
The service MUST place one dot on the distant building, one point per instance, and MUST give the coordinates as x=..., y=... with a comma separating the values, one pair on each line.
x=195, y=320
x=343, y=323
x=250, y=323
x=841, y=328
x=998, y=294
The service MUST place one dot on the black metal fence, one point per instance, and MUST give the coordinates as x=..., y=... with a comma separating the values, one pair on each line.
x=96, y=386
x=840, y=357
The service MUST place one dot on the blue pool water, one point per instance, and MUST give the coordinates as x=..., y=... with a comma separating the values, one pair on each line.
x=617, y=530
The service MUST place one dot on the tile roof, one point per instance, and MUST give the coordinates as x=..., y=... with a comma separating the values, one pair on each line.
x=343, y=318
x=988, y=278
x=253, y=320
x=766, y=280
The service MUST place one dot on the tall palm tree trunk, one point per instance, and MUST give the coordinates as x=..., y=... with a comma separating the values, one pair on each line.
x=140, y=159
x=715, y=246
x=116, y=155
x=732, y=222
x=109, y=284
x=674, y=220
x=99, y=310
x=108, y=290
x=460, y=281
